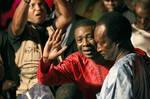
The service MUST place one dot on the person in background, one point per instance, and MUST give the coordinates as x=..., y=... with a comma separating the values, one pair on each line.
x=27, y=36
x=85, y=67
x=141, y=28
x=119, y=6
x=2, y=73
x=7, y=85
x=94, y=9
x=127, y=78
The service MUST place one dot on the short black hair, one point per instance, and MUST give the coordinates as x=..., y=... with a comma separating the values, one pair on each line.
x=118, y=27
x=69, y=91
x=84, y=22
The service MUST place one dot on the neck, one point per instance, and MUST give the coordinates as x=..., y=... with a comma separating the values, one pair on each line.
x=98, y=59
x=122, y=54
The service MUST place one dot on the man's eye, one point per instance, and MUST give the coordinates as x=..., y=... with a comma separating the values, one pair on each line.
x=90, y=38
x=79, y=40
x=41, y=4
x=32, y=5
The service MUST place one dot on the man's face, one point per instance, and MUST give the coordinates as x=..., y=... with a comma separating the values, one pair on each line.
x=104, y=45
x=37, y=12
x=84, y=37
x=111, y=5
x=142, y=18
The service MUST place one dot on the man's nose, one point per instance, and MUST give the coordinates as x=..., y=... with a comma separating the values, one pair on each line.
x=37, y=7
x=85, y=41
x=98, y=48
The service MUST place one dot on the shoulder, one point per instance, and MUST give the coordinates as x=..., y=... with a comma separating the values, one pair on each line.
x=76, y=58
x=76, y=55
x=129, y=15
x=125, y=65
x=128, y=59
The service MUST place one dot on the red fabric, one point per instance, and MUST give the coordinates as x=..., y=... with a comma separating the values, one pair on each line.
x=140, y=52
x=7, y=16
x=76, y=68
x=49, y=2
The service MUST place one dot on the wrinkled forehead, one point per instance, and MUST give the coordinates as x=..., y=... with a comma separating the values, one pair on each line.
x=37, y=1
x=83, y=30
x=100, y=32
x=100, y=29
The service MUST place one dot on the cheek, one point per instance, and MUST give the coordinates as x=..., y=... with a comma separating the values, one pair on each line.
x=92, y=42
x=106, y=4
x=79, y=46
x=30, y=15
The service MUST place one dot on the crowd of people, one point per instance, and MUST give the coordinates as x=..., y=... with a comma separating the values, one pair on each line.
x=50, y=51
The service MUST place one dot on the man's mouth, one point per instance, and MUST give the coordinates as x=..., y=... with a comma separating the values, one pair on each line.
x=38, y=14
x=87, y=51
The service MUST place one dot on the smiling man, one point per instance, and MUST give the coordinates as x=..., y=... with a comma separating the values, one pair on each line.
x=85, y=67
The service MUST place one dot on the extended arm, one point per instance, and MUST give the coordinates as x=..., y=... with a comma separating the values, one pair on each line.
x=20, y=18
x=65, y=14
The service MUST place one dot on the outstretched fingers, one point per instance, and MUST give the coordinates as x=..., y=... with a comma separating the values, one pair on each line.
x=61, y=50
x=50, y=31
x=53, y=48
x=55, y=34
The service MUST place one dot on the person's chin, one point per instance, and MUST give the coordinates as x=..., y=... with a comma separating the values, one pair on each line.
x=39, y=19
x=105, y=57
x=89, y=56
x=87, y=53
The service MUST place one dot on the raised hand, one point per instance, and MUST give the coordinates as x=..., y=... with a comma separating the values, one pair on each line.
x=52, y=47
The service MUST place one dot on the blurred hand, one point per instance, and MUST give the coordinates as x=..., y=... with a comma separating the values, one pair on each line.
x=52, y=47
x=8, y=84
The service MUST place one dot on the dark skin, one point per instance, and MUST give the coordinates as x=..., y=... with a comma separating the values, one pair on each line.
x=112, y=5
x=35, y=13
x=108, y=49
x=142, y=17
x=85, y=43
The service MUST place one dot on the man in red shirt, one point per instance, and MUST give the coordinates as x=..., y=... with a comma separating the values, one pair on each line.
x=85, y=67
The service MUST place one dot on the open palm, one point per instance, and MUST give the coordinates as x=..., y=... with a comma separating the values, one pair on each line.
x=52, y=47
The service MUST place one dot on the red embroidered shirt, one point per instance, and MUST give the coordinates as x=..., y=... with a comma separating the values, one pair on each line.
x=88, y=75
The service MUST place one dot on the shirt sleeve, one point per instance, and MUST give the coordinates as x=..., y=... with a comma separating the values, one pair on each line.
x=123, y=85
x=50, y=74
x=117, y=85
